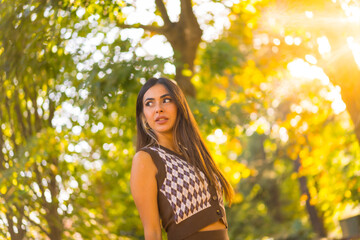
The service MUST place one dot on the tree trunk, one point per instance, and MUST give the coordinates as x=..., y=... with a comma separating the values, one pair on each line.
x=53, y=218
x=184, y=43
x=344, y=71
x=185, y=37
x=316, y=222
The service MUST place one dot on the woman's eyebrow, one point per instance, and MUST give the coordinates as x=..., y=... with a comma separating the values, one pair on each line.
x=162, y=96
x=165, y=95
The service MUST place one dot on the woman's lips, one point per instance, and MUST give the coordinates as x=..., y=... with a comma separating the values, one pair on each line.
x=161, y=120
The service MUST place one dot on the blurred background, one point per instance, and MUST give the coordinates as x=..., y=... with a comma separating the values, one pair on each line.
x=273, y=84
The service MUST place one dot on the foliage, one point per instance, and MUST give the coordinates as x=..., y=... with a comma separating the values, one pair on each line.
x=69, y=79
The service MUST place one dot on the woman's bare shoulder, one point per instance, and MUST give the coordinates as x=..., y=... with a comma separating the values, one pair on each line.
x=143, y=170
x=143, y=159
x=142, y=156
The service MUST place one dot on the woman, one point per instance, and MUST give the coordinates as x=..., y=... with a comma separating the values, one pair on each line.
x=173, y=177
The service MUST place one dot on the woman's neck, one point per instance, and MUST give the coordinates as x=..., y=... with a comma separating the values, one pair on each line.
x=168, y=145
x=167, y=141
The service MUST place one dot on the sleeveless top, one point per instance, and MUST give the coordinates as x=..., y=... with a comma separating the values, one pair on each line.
x=186, y=203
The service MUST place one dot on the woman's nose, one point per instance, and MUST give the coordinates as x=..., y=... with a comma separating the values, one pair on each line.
x=159, y=108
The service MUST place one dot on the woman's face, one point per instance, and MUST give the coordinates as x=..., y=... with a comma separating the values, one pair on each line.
x=160, y=110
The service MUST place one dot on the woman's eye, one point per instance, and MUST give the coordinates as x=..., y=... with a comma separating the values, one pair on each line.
x=167, y=100
x=148, y=104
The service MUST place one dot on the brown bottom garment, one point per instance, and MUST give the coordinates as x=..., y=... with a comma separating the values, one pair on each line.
x=221, y=234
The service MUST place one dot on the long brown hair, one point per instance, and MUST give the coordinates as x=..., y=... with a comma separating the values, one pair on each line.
x=187, y=137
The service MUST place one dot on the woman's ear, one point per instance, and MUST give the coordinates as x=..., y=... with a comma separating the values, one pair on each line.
x=144, y=122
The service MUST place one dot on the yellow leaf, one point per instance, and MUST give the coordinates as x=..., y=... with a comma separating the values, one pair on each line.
x=325, y=206
x=237, y=8
x=307, y=162
x=294, y=176
x=53, y=168
x=304, y=153
x=246, y=173
x=60, y=52
x=303, y=197
x=224, y=81
x=220, y=94
x=214, y=109
x=238, y=130
x=14, y=182
x=293, y=152
x=3, y=190
x=186, y=72
x=313, y=201
x=348, y=194
x=235, y=145
x=8, y=93
x=238, y=198
x=121, y=3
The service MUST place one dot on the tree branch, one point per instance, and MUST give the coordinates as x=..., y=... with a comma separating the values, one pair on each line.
x=12, y=127
x=38, y=120
x=2, y=142
x=191, y=26
x=41, y=187
x=9, y=193
x=10, y=224
x=187, y=14
x=52, y=186
x=30, y=126
x=164, y=15
x=51, y=111
x=19, y=114
x=21, y=231
x=2, y=157
x=36, y=224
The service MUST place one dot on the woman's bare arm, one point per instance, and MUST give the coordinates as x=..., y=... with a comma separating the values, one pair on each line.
x=144, y=191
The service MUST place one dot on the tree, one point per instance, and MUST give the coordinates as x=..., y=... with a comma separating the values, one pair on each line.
x=329, y=19
x=274, y=35
x=271, y=59
x=184, y=37
x=332, y=20
x=51, y=184
x=30, y=67
x=69, y=80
